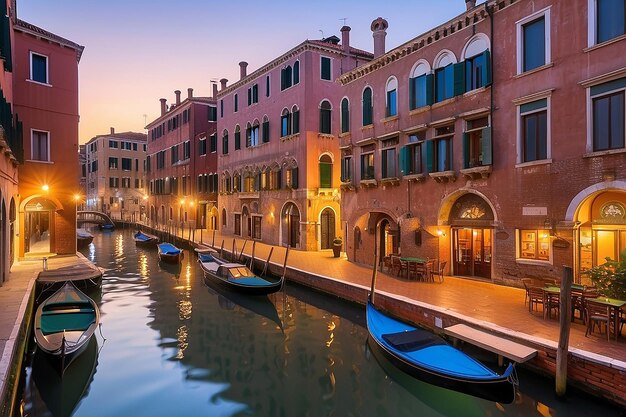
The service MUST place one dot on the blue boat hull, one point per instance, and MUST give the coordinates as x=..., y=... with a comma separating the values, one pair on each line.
x=494, y=387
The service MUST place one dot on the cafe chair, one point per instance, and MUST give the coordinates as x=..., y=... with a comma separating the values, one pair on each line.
x=527, y=283
x=552, y=302
x=398, y=266
x=597, y=314
x=535, y=298
x=412, y=270
x=387, y=263
x=437, y=273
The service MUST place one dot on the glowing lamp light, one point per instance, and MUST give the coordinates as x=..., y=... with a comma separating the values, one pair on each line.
x=440, y=232
x=76, y=197
x=45, y=187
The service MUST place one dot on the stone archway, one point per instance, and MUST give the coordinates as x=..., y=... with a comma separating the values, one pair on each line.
x=290, y=225
x=327, y=226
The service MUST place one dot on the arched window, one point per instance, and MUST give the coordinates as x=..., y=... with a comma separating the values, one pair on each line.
x=236, y=182
x=225, y=142
x=367, y=107
x=285, y=123
x=326, y=171
x=444, y=76
x=266, y=129
x=295, y=119
x=420, y=86
x=223, y=217
x=325, y=117
x=477, y=65
x=286, y=75
x=392, y=97
x=237, y=137
x=296, y=72
x=345, y=116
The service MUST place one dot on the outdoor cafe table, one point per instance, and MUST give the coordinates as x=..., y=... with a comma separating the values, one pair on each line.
x=414, y=260
x=616, y=307
x=551, y=292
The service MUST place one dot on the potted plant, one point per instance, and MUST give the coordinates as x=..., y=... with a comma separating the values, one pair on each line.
x=610, y=277
x=337, y=247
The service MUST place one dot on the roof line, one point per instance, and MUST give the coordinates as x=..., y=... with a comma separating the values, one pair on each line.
x=39, y=32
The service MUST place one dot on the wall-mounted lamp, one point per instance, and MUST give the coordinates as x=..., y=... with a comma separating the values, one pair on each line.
x=441, y=233
x=45, y=188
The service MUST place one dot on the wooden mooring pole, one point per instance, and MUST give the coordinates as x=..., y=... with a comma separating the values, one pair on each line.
x=565, y=314
x=267, y=262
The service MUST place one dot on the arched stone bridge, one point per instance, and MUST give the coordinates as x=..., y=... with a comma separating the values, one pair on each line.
x=92, y=216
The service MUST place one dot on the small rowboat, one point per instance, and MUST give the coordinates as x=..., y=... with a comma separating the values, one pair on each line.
x=235, y=276
x=170, y=253
x=145, y=239
x=106, y=226
x=83, y=238
x=64, y=323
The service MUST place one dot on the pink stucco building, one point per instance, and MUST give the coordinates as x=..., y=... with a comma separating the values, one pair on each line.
x=278, y=152
x=493, y=142
x=182, y=163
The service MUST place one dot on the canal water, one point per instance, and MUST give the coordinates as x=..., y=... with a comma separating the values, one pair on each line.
x=169, y=345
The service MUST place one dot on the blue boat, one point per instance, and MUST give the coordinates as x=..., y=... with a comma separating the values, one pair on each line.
x=106, y=226
x=145, y=239
x=235, y=276
x=170, y=253
x=426, y=356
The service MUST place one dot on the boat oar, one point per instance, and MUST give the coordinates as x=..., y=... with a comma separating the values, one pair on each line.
x=252, y=258
x=240, y=257
x=285, y=264
x=222, y=250
x=233, y=254
x=375, y=270
x=267, y=262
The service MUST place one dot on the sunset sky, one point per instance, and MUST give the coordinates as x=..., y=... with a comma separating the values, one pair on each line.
x=137, y=51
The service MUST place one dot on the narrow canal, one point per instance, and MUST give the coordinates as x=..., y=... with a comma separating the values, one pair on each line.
x=171, y=346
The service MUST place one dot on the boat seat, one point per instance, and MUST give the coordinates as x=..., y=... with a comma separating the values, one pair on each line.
x=412, y=340
x=54, y=323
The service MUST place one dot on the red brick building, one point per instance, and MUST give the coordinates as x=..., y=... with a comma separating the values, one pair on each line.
x=182, y=163
x=494, y=142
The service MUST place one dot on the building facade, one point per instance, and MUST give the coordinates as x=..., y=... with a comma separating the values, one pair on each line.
x=116, y=175
x=494, y=142
x=278, y=153
x=182, y=163
x=45, y=96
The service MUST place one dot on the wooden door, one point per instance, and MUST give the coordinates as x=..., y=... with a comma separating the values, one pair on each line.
x=327, y=221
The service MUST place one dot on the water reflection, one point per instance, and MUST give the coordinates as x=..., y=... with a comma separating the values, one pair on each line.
x=178, y=347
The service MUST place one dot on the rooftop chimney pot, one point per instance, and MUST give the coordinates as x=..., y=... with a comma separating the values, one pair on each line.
x=243, y=66
x=214, y=85
x=190, y=93
x=470, y=4
x=223, y=83
x=163, y=106
x=345, y=38
x=112, y=130
x=379, y=33
x=177, y=92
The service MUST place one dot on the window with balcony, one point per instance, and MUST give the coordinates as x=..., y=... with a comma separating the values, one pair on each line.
x=477, y=143
x=388, y=158
x=367, y=162
x=439, y=150
x=411, y=155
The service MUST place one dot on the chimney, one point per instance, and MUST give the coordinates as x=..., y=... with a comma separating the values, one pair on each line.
x=243, y=65
x=163, y=106
x=378, y=32
x=223, y=82
x=177, y=92
x=214, y=84
x=470, y=4
x=112, y=130
x=190, y=93
x=345, y=38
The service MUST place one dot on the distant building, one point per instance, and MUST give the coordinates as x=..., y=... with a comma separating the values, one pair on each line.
x=82, y=185
x=45, y=96
x=494, y=142
x=116, y=175
x=182, y=163
x=278, y=149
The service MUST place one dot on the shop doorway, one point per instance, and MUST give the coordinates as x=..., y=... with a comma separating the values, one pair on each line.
x=472, y=252
x=37, y=230
x=290, y=224
x=327, y=222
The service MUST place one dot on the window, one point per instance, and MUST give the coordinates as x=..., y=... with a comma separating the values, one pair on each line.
x=411, y=155
x=367, y=162
x=114, y=182
x=160, y=159
x=134, y=147
x=291, y=178
x=346, y=165
x=296, y=72
x=39, y=68
x=325, y=117
x=608, y=121
x=367, y=107
x=477, y=143
x=213, y=143
x=256, y=227
x=420, y=87
x=202, y=147
x=477, y=71
x=439, y=150
x=137, y=183
x=326, y=171
x=40, y=146
x=286, y=79
x=113, y=163
x=186, y=150
x=252, y=134
x=388, y=160
x=236, y=103
x=174, y=154
x=225, y=142
x=253, y=94
x=266, y=129
x=295, y=120
x=127, y=164
x=285, y=123
x=221, y=108
x=113, y=144
x=94, y=166
x=125, y=182
x=534, y=130
x=534, y=244
x=444, y=77
x=606, y=20
x=212, y=114
x=392, y=98
x=533, y=41
x=345, y=116
x=267, y=86
x=325, y=68
x=237, y=138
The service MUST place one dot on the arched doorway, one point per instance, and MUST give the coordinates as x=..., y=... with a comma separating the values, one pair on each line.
x=290, y=225
x=471, y=221
x=38, y=225
x=388, y=238
x=3, y=236
x=212, y=223
x=327, y=225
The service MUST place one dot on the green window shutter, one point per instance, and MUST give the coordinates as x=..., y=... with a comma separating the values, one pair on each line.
x=325, y=175
x=237, y=140
x=345, y=116
x=249, y=96
x=466, y=151
x=404, y=160
x=487, y=63
x=459, y=79
x=429, y=155
x=430, y=83
x=266, y=131
x=412, y=92
x=5, y=43
x=296, y=72
x=294, y=178
x=296, y=121
x=326, y=68
x=487, y=148
x=282, y=79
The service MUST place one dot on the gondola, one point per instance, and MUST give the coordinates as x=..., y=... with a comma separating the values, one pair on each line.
x=64, y=323
x=235, y=276
x=426, y=356
x=170, y=253
x=83, y=238
x=145, y=239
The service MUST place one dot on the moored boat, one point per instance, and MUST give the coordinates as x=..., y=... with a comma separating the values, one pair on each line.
x=83, y=238
x=235, y=276
x=145, y=239
x=106, y=226
x=170, y=253
x=428, y=357
x=64, y=323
